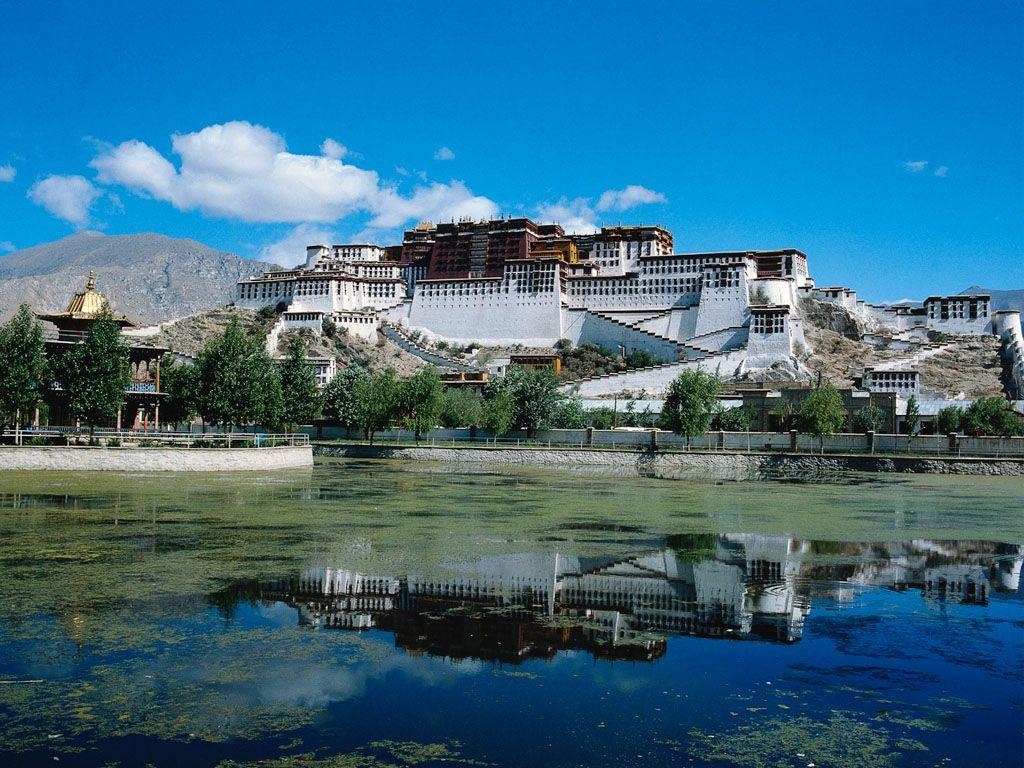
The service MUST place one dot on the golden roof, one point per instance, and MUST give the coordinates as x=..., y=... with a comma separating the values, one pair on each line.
x=83, y=309
x=89, y=302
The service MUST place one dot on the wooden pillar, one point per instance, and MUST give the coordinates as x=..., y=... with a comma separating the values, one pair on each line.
x=156, y=417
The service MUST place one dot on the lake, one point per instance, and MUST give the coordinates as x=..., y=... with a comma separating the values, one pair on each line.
x=380, y=614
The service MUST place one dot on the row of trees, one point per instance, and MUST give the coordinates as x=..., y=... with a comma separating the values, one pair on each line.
x=523, y=399
x=234, y=381
x=92, y=376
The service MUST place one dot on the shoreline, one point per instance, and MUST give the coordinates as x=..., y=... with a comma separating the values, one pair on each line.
x=665, y=464
x=73, y=458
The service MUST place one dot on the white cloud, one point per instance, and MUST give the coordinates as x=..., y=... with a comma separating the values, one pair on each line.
x=630, y=197
x=941, y=171
x=435, y=202
x=333, y=149
x=444, y=154
x=576, y=216
x=66, y=197
x=291, y=249
x=7, y=173
x=6, y=246
x=243, y=171
x=915, y=166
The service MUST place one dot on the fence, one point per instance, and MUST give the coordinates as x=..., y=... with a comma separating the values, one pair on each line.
x=152, y=439
x=926, y=445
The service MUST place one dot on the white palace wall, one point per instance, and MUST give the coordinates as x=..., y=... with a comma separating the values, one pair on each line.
x=465, y=311
x=1007, y=326
x=582, y=327
x=723, y=299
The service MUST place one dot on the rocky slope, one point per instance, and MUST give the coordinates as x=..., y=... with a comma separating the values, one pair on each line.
x=148, y=277
x=960, y=364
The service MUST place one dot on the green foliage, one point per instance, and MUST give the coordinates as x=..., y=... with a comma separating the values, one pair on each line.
x=22, y=365
x=94, y=373
x=419, y=400
x=690, y=403
x=178, y=382
x=822, y=412
x=569, y=414
x=602, y=418
x=913, y=417
x=339, y=397
x=590, y=359
x=377, y=402
x=641, y=358
x=299, y=392
x=533, y=393
x=461, y=407
x=499, y=412
x=992, y=416
x=341, y=408
x=237, y=381
x=949, y=419
x=737, y=419
x=329, y=327
x=869, y=419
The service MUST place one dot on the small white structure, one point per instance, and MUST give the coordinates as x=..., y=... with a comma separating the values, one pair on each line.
x=903, y=382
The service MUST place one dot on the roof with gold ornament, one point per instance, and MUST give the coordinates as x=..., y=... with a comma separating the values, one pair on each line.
x=83, y=307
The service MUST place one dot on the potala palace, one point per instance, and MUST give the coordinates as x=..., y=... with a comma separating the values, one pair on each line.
x=516, y=282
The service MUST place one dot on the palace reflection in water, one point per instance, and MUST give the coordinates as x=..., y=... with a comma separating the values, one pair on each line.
x=740, y=586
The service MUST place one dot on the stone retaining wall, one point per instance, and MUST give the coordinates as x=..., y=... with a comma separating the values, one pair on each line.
x=74, y=458
x=727, y=466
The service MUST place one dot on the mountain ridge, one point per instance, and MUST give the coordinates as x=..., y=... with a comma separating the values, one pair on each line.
x=150, y=277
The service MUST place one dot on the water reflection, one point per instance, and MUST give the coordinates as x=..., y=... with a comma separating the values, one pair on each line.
x=738, y=586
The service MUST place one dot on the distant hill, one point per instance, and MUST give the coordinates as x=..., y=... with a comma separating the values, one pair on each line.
x=148, y=277
x=1001, y=299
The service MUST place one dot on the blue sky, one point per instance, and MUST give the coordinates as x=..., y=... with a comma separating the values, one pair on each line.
x=885, y=140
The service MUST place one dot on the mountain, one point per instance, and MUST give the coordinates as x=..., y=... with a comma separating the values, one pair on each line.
x=148, y=277
x=1001, y=299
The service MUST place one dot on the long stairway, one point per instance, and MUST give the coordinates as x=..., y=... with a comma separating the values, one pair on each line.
x=394, y=334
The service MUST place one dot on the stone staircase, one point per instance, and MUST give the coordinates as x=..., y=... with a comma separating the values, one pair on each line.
x=684, y=350
x=397, y=336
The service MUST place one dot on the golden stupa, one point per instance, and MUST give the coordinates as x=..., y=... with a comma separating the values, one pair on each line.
x=81, y=311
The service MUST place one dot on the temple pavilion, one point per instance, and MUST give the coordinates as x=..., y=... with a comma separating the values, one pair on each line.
x=142, y=406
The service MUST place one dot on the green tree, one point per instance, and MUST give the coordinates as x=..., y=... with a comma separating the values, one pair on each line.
x=992, y=416
x=22, y=367
x=913, y=417
x=339, y=398
x=869, y=419
x=94, y=373
x=690, y=403
x=822, y=413
x=949, y=419
x=377, y=402
x=461, y=407
x=533, y=393
x=569, y=414
x=602, y=418
x=738, y=419
x=299, y=392
x=499, y=412
x=237, y=381
x=178, y=382
x=420, y=399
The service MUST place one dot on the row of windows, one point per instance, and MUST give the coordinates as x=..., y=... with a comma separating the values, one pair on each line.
x=264, y=290
x=768, y=324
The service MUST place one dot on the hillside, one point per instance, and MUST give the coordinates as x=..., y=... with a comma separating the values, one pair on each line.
x=188, y=335
x=148, y=277
x=960, y=364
